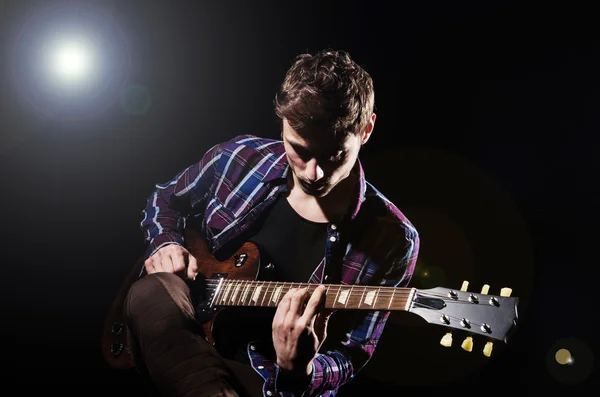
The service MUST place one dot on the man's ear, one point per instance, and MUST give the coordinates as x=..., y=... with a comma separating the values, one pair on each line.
x=369, y=129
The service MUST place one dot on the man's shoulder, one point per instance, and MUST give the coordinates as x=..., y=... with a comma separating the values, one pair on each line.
x=248, y=144
x=386, y=211
x=249, y=154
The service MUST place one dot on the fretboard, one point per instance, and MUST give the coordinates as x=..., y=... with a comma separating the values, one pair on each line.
x=269, y=294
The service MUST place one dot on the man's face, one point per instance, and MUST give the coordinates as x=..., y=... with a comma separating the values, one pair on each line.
x=319, y=161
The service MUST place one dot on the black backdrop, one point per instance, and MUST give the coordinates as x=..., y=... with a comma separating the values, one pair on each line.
x=485, y=138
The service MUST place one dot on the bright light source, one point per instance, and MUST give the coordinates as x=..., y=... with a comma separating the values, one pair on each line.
x=563, y=356
x=71, y=61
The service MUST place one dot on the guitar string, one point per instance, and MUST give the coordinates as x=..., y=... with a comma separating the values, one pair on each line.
x=418, y=304
x=351, y=302
x=381, y=291
x=385, y=292
x=272, y=288
x=272, y=285
x=233, y=299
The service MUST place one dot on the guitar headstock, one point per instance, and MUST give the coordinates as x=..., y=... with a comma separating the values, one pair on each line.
x=492, y=316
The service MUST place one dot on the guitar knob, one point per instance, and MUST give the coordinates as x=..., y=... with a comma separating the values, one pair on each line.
x=487, y=349
x=465, y=285
x=505, y=292
x=485, y=289
x=116, y=349
x=467, y=344
x=117, y=328
x=446, y=340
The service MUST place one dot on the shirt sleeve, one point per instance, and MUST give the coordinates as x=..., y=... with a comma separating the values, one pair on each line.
x=171, y=203
x=336, y=366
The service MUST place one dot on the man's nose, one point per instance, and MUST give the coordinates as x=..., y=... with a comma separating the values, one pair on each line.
x=314, y=172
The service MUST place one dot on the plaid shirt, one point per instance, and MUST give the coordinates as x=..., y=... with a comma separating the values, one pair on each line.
x=228, y=189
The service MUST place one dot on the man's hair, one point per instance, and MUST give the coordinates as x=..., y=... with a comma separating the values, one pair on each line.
x=326, y=92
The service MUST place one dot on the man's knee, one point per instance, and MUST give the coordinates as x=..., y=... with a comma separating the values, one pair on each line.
x=155, y=288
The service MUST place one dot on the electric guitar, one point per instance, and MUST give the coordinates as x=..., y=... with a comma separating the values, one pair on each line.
x=233, y=283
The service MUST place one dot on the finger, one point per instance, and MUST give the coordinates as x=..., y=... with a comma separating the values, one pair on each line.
x=149, y=267
x=315, y=302
x=297, y=302
x=282, y=310
x=298, y=298
x=177, y=262
x=153, y=265
x=192, y=269
x=320, y=324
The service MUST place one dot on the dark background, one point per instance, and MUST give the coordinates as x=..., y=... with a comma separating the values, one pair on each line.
x=485, y=138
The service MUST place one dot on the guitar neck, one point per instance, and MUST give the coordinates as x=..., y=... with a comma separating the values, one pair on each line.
x=225, y=292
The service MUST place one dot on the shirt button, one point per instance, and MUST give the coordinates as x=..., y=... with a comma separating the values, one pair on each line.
x=333, y=226
x=252, y=347
x=261, y=367
x=332, y=239
x=269, y=393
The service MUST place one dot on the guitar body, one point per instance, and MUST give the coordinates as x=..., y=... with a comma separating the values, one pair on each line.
x=244, y=264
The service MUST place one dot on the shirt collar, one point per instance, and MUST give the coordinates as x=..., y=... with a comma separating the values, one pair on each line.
x=361, y=193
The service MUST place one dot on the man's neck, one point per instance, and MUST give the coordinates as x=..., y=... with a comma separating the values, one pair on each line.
x=329, y=208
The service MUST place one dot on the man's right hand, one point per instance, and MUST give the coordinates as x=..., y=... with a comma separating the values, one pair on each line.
x=173, y=258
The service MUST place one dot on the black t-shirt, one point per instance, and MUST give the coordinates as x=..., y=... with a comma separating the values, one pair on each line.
x=291, y=247
x=291, y=244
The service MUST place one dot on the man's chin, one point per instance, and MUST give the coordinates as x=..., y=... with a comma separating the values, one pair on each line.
x=322, y=192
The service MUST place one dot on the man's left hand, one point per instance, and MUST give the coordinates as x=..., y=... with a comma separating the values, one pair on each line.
x=299, y=329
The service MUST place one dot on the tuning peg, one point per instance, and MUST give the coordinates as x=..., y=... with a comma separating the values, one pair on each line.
x=465, y=285
x=485, y=289
x=446, y=340
x=467, y=344
x=487, y=349
x=505, y=292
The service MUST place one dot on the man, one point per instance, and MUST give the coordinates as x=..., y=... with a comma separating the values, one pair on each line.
x=305, y=202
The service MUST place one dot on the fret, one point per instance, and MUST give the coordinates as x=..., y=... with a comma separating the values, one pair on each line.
x=343, y=296
x=336, y=296
x=376, y=297
x=238, y=295
x=361, y=297
x=369, y=299
x=276, y=294
x=218, y=293
x=392, y=298
x=230, y=290
x=264, y=295
x=245, y=293
x=350, y=294
x=234, y=286
x=221, y=292
x=256, y=294
x=226, y=292
x=234, y=292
